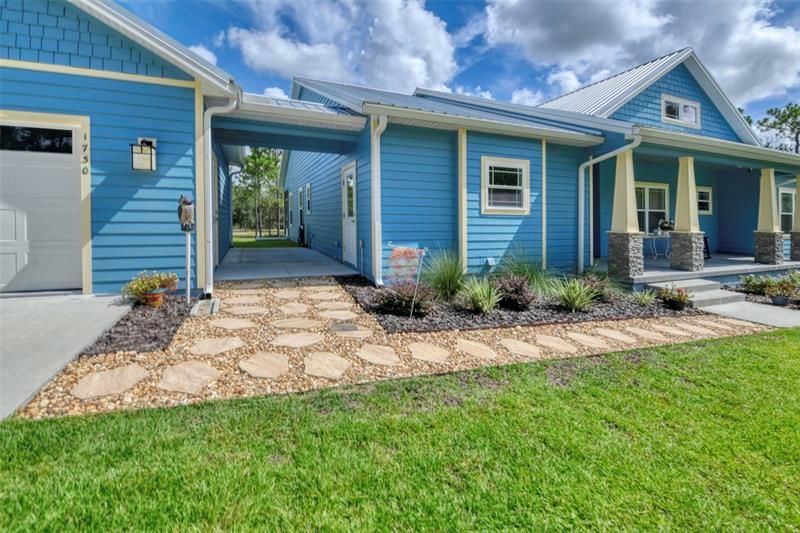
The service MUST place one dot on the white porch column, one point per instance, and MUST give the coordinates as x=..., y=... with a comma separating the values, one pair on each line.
x=768, y=236
x=625, y=243
x=687, y=239
x=795, y=254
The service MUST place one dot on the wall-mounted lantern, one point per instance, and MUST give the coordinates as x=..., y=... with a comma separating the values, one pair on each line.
x=143, y=154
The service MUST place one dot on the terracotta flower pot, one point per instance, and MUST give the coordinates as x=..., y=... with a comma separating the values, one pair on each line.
x=155, y=298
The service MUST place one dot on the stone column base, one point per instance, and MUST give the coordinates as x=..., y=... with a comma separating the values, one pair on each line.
x=687, y=251
x=795, y=248
x=625, y=255
x=769, y=247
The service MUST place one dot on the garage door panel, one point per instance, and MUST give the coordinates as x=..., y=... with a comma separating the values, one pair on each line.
x=8, y=225
x=52, y=226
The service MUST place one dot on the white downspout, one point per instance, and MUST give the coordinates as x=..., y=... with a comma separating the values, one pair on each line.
x=378, y=124
x=637, y=140
x=209, y=201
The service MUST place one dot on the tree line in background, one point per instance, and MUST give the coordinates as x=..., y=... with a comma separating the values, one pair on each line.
x=781, y=127
x=257, y=197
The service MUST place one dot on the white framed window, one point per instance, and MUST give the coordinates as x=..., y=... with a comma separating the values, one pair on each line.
x=786, y=198
x=652, y=205
x=300, y=197
x=308, y=198
x=680, y=111
x=291, y=211
x=505, y=186
x=705, y=201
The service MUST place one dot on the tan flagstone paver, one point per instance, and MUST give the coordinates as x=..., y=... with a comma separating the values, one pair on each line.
x=287, y=294
x=646, y=334
x=378, y=354
x=190, y=377
x=242, y=300
x=266, y=365
x=425, y=351
x=522, y=348
x=475, y=349
x=615, y=335
x=555, y=343
x=334, y=306
x=297, y=340
x=215, y=345
x=697, y=329
x=670, y=330
x=327, y=295
x=338, y=315
x=232, y=324
x=108, y=382
x=587, y=340
x=325, y=365
x=712, y=324
x=349, y=330
x=296, y=323
x=293, y=308
x=247, y=310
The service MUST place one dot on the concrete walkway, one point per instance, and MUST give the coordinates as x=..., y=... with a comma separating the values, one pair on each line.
x=272, y=263
x=769, y=315
x=39, y=335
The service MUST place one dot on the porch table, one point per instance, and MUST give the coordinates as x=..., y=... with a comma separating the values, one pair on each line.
x=654, y=238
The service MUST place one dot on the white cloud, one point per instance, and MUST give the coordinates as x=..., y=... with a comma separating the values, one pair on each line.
x=474, y=91
x=565, y=80
x=275, y=92
x=205, y=53
x=526, y=96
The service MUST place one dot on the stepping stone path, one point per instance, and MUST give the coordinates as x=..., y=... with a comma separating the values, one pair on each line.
x=734, y=322
x=287, y=294
x=232, y=324
x=712, y=324
x=475, y=349
x=670, y=330
x=108, y=382
x=378, y=354
x=333, y=306
x=328, y=295
x=293, y=308
x=215, y=345
x=247, y=310
x=338, y=315
x=326, y=365
x=190, y=377
x=697, y=329
x=297, y=340
x=265, y=365
x=521, y=348
x=587, y=340
x=351, y=331
x=555, y=343
x=242, y=300
x=247, y=292
x=428, y=352
x=296, y=323
x=646, y=334
x=615, y=335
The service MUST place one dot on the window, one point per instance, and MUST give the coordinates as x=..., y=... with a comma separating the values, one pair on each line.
x=787, y=199
x=308, y=198
x=705, y=204
x=679, y=111
x=652, y=205
x=24, y=139
x=505, y=186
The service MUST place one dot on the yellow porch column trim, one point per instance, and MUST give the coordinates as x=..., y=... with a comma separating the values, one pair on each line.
x=462, y=197
x=686, y=215
x=623, y=219
x=796, y=218
x=768, y=203
x=199, y=201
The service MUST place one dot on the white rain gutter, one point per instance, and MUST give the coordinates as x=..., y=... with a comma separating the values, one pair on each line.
x=637, y=140
x=378, y=124
x=209, y=201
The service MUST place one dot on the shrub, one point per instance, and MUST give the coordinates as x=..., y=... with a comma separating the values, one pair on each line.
x=517, y=294
x=671, y=294
x=782, y=287
x=645, y=297
x=444, y=274
x=605, y=288
x=519, y=264
x=794, y=278
x=575, y=295
x=480, y=295
x=144, y=282
x=396, y=299
x=757, y=284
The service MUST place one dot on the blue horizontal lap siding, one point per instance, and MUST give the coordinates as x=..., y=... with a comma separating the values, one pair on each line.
x=496, y=236
x=737, y=203
x=54, y=32
x=645, y=108
x=562, y=208
x=225, y=201
x=134, y=221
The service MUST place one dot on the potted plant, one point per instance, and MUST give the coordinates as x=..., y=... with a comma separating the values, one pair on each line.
x=674, y=298
x=781, y=292
x=169, y=281
x=145, y=288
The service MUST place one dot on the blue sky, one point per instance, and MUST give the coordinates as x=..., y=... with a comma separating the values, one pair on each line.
x=503, y=49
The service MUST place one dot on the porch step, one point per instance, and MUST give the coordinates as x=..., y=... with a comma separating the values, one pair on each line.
x=689, y=285
x=716, y=297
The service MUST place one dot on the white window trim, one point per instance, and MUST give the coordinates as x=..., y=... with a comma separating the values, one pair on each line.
x=652, y=185
x=793, y=193
x=710, y=210
x=680, y=101
x=525, y=166
x=291, y=210
x=308, y=198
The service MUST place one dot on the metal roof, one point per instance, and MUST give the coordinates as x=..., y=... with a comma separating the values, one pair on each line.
x=296, y=112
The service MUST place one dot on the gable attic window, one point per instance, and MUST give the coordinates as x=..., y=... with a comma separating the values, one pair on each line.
x=505, y=186
x=679, y=111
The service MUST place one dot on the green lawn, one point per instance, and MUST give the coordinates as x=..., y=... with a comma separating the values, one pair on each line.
x=246, y=239
x=699, y=436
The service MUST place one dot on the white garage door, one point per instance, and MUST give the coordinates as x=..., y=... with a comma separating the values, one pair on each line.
x=40, y=217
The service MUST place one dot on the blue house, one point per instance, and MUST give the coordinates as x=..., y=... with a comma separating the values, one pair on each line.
x=106, y=122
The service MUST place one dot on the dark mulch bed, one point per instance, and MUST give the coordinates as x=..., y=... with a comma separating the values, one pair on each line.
x=445, y=316
x=760, y=298
x=143, y=329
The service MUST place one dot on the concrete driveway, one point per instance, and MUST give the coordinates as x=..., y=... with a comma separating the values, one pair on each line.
x=39, y=335
x=271, y=263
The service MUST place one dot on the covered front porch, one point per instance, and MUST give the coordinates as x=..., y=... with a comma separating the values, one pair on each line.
x=660, y=212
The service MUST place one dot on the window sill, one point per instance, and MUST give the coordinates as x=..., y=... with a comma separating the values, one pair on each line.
x=508, y=211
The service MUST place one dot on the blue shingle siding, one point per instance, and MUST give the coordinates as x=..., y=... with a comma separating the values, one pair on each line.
x=37, y=30
x=562, y=206
x=419, y=198
x=134, y=224
x=225, y=200
x=495, y=236
x=645, y=109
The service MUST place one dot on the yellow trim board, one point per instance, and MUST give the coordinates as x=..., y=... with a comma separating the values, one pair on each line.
x=200, y=185
x=83, y=132
x=107, y=74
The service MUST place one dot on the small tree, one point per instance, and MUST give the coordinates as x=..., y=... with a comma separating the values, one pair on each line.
x=259, y=177
x=784, y=123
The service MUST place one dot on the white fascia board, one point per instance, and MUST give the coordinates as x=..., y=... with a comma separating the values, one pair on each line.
x=490, y=126
x=718, y=146
x=293, y=116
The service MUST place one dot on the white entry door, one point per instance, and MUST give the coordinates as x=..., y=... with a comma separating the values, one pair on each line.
x=349, y=240
x=40, y=209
